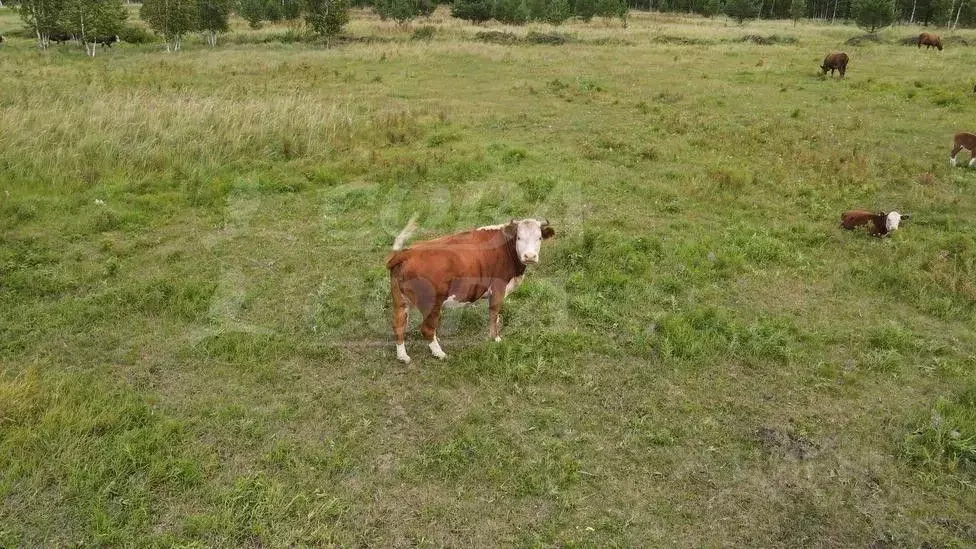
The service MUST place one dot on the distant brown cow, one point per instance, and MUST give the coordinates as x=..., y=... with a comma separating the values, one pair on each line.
x=879, y=224
x=960, y=141
x=455, y=270
x=835, y=61
x=929, y=40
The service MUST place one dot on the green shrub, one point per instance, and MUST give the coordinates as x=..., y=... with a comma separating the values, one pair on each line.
x=402, y=11
x=326, y=17
x=872, y=15
x=513, y=12
x=133, y=34
x=740, y=10
x=476, y=11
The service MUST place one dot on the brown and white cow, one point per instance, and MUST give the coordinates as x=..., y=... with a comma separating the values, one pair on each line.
x=929, y=40
x=879, y=224
x=459, y=269
x=960, y=141
x=835, y=61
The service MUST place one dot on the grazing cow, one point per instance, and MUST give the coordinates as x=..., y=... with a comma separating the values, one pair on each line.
x=960, y=141
x=60, y=37
x=457, y=270
x=835, y=61
x=106, y=40
x=929, y=40
x=879, y=224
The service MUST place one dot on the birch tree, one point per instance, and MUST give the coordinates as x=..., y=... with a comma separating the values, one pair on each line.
x=171, y=19
x=91, y=20
x=42, y=16
x=212, y=16
x=326, y=17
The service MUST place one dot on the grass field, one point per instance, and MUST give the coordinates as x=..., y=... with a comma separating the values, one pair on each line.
x=195, y=342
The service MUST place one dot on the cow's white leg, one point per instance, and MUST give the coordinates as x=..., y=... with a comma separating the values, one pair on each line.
x=402, y=353
x=435, y=348
x=494, y=308
x=972, y=161
x=952, y=161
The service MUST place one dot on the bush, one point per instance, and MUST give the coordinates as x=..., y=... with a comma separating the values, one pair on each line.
x=740, y=10
x=584, y=9
x=872, y=15
x=476, y=11
x=252, y=11
x=550, y=11
x=133, y=34
x=402, y=11
x=513, y=12
x=327, y=17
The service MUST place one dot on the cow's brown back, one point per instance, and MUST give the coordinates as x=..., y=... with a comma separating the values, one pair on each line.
x=855, y=218
x=929, y=40
x=464, y=265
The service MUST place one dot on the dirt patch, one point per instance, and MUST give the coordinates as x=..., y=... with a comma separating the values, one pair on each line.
x=767, y=40
x=863, y=39
x=955, y=41
x=550, y=38
x=681, y=40
x=909, y=41
x=533, y=37
x=497, y=37
x=775, y=441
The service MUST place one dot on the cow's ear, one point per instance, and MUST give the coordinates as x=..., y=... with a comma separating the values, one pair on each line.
x=511, y=229
x=548, y=232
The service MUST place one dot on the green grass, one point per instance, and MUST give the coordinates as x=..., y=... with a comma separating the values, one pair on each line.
x=195, y=345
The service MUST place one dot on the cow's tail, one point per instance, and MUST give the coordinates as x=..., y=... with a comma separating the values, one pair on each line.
x=405, y=234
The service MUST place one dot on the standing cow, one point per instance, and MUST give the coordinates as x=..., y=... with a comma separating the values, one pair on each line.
x=458, y=270
x=960, y=141
x=106, y=40
x=929, y=40
x=835, y=61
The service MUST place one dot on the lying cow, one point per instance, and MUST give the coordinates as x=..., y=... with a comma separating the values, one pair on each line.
x=457, y=270
x=835, y=61
x=960, y=141
x=879, y=224
x=929, y=40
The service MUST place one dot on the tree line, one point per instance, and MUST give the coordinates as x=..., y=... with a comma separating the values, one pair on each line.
x=923, y=12
x=90, y=21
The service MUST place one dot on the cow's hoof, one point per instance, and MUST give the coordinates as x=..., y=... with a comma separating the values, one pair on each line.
x=498, y=339
x=401, y=351
x=441, y=355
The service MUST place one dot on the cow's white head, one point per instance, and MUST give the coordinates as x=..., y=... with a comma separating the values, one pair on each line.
x=892, y=220
x=529, y=234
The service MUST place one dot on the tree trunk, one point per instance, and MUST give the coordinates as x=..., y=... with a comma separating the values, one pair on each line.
x=834, y=16
x=958, y=11
x=912, y=18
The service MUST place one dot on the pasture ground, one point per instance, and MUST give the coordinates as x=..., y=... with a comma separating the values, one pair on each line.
x=194, y=322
